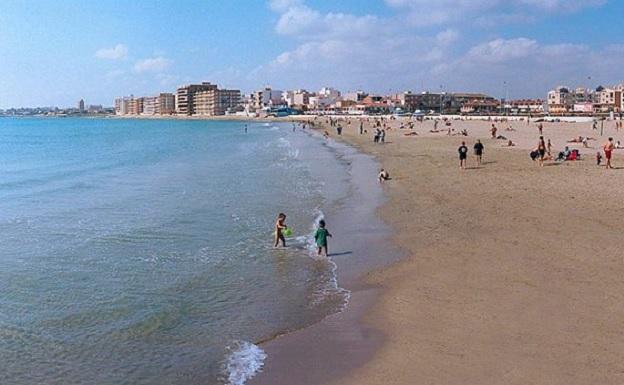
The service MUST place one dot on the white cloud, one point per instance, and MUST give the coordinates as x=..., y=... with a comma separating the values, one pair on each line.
x=154, y=64
x=448, y=36
x=501, y=50
x=119, y=51
x=562, y=5
x=440, y=12
x=396, y=52
x=284, y=5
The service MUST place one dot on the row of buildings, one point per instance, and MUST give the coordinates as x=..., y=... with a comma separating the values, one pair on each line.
x=207, y=99
x=203, y=99
x=330, y=100
x=564, y=100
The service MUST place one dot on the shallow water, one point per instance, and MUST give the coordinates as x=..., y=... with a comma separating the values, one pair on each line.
x=139, y=251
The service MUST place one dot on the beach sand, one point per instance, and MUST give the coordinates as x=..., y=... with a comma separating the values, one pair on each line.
x=512, y=272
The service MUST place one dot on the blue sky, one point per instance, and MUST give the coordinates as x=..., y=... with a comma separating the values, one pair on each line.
x=54, y=53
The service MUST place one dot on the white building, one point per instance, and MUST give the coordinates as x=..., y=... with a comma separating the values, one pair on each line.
x=268, y=98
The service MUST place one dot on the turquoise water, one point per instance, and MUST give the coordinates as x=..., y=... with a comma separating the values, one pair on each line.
x=139, y=251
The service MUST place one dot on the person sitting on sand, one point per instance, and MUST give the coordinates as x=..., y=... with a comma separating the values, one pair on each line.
x=383, y=176
x=563, y=155
x=509, y=144
x=598, y=158
x=510, y=128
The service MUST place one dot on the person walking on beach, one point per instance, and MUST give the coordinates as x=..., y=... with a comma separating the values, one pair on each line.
x=320, y=237
x=478, y=150
x=463, y=154
x=540, y=128
x=382, y=136
x=541, y=149
x=608, y=150
x=361, y=127
x=549, y=148
x=493, y=131
x=279, y=226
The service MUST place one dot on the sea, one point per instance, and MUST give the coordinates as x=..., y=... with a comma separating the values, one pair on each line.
x=140, y=251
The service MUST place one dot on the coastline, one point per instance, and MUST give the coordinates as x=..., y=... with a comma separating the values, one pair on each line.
x=511, y=274
x=340, y=342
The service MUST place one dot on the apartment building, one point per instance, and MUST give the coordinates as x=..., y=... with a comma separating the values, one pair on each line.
x=185, y=94
x=215, y=102
x=267, y=98
x=560, y=100
x=135, y=106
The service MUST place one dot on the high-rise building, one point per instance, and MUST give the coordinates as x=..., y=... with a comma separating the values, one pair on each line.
x=81, y=105
x=162, y=104
x=203, y=99
x=135, y=106
x=121, y=105
x=166, y=104
x=215, y=102
x=185, y=95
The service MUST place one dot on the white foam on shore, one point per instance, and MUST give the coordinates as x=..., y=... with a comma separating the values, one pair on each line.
x=243, y=362
x=329, y=288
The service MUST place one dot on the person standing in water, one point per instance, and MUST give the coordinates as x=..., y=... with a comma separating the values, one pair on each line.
x=245, y=128
x=321, y=238
x=463, y=154
x=280, y=225
x=478, y=150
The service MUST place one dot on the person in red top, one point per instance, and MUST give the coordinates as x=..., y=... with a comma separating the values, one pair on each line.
x=608, y=150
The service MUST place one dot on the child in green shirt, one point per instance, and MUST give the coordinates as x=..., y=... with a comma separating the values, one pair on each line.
x=321, y=238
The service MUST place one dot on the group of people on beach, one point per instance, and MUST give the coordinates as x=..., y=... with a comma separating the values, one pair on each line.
x=463, y=153
x=320, y=235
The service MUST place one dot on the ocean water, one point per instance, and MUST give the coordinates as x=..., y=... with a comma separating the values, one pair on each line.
x=140, y=251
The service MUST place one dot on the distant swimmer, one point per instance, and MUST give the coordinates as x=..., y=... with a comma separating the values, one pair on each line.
x=280, y=225
x=320, y=237
x=245, y=128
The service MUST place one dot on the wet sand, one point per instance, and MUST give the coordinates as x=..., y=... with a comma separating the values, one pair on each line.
x=513, y=274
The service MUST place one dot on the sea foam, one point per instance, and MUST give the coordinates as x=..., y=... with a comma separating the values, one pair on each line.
x=243, y=361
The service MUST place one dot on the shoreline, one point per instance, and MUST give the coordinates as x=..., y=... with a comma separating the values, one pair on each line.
x=340, y=342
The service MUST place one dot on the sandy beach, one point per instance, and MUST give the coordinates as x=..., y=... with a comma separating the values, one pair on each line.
x=513, y=271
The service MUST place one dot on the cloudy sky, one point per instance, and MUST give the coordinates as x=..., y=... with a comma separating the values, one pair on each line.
x=54, y=53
